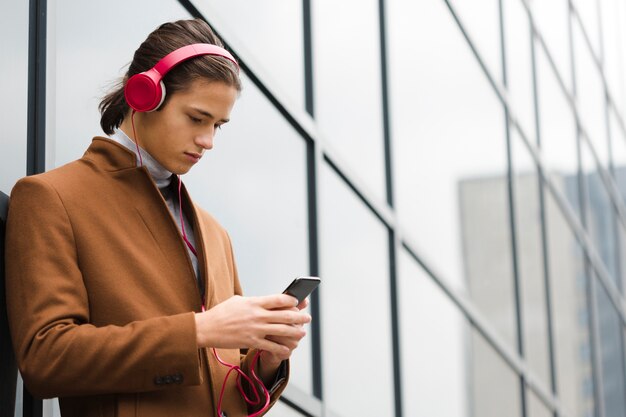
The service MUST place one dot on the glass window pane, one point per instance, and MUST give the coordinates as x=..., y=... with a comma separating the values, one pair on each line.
x=487, y=250
x=450, y=157
x=280, y=409
x=621, y=257
x=519, y=64
x=50, y=408
x=613, y=18
x=588, y=13
x=618, y=172
x=494, y=386
x=530, y=260
x=19, y=396
x=590, y=97
x=557, y=127
x=356, y=322
x=618, y=153
x=75, y=91
x=569, y=312
x=551, y=19
x=481, y=20
x=535, y=407
x=14, y=85
x=254, y=183
x=434, y=346
x=611, y=355
x=600, y=217
x=348, y=106
x=272, y=31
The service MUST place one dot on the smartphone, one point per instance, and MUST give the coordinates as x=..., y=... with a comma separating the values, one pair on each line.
x=301, y=287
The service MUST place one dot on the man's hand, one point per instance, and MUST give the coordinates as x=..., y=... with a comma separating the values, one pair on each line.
x=270, y=361
x=271, y=323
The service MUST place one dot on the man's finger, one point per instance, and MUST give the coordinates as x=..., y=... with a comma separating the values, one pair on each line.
x=304, y=304
x=277, y=301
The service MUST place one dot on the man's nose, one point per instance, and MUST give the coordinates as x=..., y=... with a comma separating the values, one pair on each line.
x=205, y=141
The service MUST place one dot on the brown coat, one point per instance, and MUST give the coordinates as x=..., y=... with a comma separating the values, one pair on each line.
x=101, y=293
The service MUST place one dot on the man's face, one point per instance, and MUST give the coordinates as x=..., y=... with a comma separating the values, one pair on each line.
x=177, y=135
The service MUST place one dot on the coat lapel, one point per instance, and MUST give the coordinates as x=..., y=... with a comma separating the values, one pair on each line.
x=159, y=222
x=202, y=244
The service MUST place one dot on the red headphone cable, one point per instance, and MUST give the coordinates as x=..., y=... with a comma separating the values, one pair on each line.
x=235, y=368
x=249, y=380
x=132, y=122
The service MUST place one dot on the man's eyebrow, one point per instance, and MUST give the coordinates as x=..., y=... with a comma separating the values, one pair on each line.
x=207, y=114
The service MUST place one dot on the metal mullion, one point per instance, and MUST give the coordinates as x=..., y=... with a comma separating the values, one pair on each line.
x=618, y=272
x=519, y=319
x=543, y=221
x=382, y=215
x=597, y=60
x=308, y=57
x=590, y=294
x=592, y=308
x=617, y=116
x=36, y=127
x=590, y=297
x=616, y=230
x=608, y=181
x=385, y=102
x=314, y=267
x=601, y=59
x=312, y=176
x=301, y=401
x=393, y=242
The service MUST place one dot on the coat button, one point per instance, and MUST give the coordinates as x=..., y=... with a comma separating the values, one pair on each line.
x=168, y=379
x=158, y=381
x=178, y=378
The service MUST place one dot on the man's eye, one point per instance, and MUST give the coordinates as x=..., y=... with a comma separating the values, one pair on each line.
x=195, y=119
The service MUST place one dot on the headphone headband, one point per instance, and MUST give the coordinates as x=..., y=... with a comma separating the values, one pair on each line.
x=174, y=58
x=145, y=92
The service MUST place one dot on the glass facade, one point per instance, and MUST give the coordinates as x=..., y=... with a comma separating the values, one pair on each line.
x=455, y=172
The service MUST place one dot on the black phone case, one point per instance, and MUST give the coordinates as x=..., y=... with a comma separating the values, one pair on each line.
x=301, y=287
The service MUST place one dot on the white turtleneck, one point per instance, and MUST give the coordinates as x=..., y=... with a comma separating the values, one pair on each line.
x=162, y=178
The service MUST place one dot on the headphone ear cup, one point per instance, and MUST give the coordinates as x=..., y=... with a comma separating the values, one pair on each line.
x=144, y=92
x=163, y=92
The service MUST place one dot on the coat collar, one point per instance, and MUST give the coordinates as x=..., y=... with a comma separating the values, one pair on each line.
x=109, y=155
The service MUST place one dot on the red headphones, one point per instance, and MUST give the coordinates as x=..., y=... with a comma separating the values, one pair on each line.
x=145, y=91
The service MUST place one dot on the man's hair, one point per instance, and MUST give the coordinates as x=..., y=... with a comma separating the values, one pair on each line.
x=167, y=38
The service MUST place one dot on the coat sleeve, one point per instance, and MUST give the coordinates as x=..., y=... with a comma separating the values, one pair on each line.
x=59, y=353
x=247, y=356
